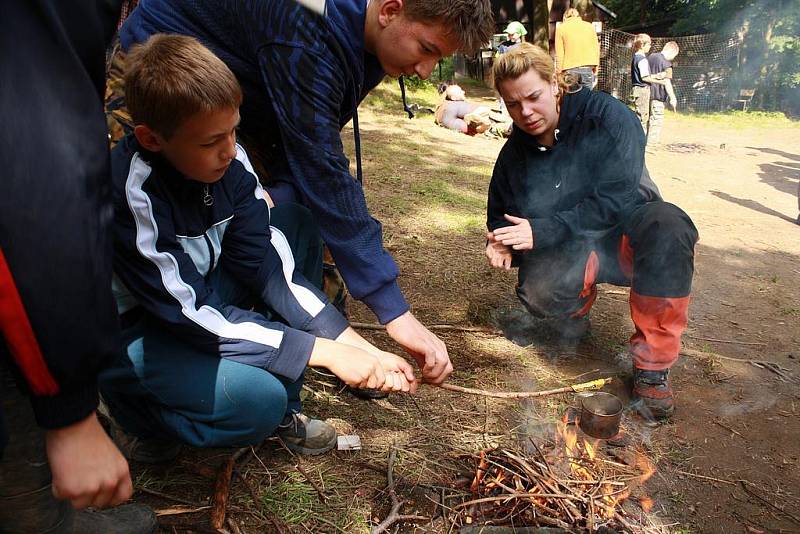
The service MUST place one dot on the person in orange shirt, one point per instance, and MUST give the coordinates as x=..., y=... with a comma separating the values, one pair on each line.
x=577, y=49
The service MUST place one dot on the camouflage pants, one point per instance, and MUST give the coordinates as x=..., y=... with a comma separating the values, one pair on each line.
x=120, y=124
x=641, y=104
x=656, y=122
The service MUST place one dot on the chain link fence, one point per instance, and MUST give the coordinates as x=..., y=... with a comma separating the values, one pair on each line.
x=703, y=74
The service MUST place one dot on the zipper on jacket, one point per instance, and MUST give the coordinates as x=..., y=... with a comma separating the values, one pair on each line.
x=208, y=200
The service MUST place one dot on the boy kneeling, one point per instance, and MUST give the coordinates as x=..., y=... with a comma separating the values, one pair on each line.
x=219, y=316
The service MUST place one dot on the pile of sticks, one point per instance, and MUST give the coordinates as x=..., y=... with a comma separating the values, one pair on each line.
x=555, y=489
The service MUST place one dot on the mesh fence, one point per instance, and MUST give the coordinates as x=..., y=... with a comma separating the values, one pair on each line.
x=703, y=72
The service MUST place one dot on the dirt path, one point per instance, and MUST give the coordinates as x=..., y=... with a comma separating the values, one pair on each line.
x=735, y=421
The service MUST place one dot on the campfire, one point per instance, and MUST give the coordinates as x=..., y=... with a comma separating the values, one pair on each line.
x=570, y=482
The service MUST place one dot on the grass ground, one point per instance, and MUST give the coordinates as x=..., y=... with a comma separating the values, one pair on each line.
x=734, y=174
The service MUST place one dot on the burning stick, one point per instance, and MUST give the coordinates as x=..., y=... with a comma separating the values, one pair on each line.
x=576, y=388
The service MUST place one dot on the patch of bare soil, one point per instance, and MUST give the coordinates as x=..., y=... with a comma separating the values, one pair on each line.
x=728, y=462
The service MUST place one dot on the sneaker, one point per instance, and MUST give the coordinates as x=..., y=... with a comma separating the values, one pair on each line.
x=652, y=394
x=143, y=450
x=570, y=328
x=367, y=393
x=305, y=435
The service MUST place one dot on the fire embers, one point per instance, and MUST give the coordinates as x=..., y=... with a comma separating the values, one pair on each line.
x=570, y=483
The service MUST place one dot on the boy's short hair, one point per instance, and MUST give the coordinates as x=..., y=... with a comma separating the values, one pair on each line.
x=671, y=47
x=169, y=78
x=471, y=21
x=640, y=41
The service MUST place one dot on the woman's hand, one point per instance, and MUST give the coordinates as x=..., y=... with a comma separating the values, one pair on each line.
x=519, y=236
x=498, y=254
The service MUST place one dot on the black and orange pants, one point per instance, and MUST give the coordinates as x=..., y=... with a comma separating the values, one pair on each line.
x=652, y=253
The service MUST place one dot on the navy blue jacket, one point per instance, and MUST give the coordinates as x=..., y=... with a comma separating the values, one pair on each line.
x=585, y=184
x=167, y=242
x=303, y=76
x=56, y=309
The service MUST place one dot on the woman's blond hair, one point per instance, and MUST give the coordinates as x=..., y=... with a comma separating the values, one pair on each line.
x=170, y=78
x=570, y=13
x=521, y=59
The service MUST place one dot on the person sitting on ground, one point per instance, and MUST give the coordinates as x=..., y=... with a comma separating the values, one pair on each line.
x=571, y=205
x=219, y=318
x=456, y=113
x=516, y=34
x=661, y=63
x=577, y=49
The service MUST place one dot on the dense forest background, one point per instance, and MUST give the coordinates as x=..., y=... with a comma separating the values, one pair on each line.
x=769, y=31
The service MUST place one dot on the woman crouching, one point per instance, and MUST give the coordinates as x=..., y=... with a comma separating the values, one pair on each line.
x=571, y=205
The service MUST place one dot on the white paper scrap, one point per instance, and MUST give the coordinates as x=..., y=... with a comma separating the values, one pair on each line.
x=348, y=443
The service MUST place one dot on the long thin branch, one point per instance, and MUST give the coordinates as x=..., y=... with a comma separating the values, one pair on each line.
x=441, y=327
x=585, y=386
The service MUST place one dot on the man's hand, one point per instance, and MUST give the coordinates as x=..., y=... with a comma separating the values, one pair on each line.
x=498, y=254
x=424, y=346
x=88, y=469
x=674, y=103
x=519, y=236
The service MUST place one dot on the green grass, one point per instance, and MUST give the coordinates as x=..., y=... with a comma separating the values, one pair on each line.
x=291, y=499
x=739, y=119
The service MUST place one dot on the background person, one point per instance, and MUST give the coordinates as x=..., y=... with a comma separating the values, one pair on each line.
x=516, y=34
x=568, y=206
x=57, y=318
x=577, y=48
x=661, y=63
x=456, y=113
x=303, y=76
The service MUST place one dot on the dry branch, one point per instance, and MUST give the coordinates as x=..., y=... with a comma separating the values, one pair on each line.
x=394, y=515
x=323, y=497
x=576, y=388
x=222, y=488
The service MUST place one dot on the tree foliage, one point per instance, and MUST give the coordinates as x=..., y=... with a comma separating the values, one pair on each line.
x=769, y=31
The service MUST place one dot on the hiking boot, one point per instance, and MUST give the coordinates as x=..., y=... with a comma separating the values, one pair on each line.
x=652, y=394
x=126, y=519
x=570, y=328
x=305, y=435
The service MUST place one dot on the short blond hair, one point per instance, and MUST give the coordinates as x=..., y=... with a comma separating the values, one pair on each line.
x=640, y=41
x=570, y=14
x=170, y=78
x=470, y=21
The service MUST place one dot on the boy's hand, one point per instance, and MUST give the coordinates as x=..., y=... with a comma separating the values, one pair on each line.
x=674, y=103
x=518, y=237
x=88, y=469
x=498, y=254
x=400, y=371
x=355, y=367
x=429, y=351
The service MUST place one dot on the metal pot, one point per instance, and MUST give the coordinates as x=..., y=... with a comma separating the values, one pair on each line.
x=601, y=414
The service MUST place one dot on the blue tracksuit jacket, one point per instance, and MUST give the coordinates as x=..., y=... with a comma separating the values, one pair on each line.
x=303, y=76
x=167, y=242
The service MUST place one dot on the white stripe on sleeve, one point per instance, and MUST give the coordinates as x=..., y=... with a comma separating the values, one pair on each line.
x=206, y=317
x=304, y=296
